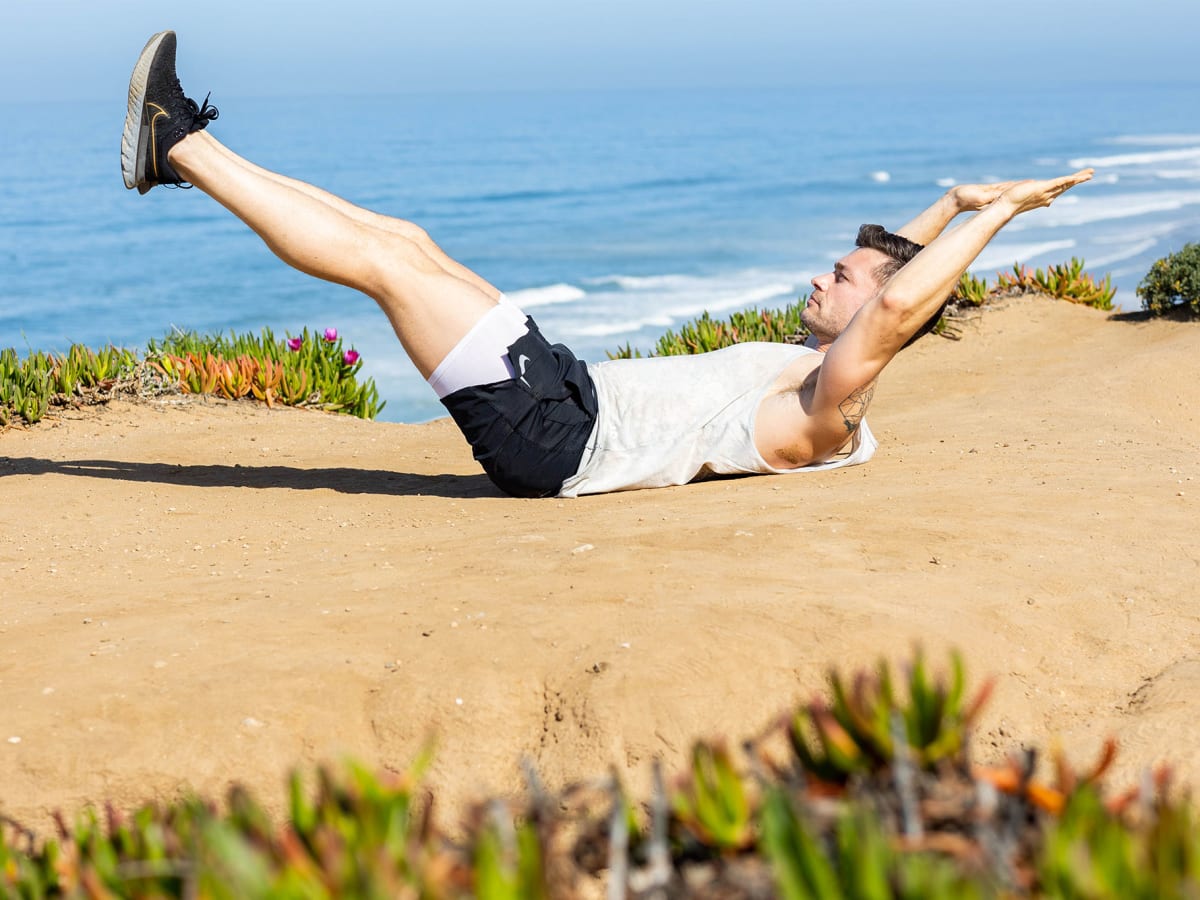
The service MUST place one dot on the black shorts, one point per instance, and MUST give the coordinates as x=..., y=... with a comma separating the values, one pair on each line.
x=529, y=432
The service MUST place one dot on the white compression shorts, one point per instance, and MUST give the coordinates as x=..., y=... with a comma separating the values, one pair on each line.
x=481, y=357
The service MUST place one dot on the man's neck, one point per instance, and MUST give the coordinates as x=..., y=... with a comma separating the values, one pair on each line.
x=813, y=342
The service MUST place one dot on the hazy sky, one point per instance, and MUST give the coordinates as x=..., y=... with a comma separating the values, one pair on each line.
x=59, y=49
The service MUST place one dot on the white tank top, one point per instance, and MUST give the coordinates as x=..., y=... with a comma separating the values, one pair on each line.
x=673, y=419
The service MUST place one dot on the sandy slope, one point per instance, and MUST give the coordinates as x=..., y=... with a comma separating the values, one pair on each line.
x=195, y=594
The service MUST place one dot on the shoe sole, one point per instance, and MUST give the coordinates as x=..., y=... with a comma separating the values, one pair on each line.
x=135, y=138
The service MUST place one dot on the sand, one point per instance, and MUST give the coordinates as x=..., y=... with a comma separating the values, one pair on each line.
x=202, y=593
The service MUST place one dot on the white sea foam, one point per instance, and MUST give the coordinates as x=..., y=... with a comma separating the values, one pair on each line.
x=736, y=301
x=946, y=182
x=1134, y=233
x=881, y=176
x=1086, y=210
x=547, y=296
x=636, y=303
x=1135, y=159
x=1127, y=252
x=608, y=329
x=1178, y=174
x=1155, y=140
x=644, y=282
x=1002, y=256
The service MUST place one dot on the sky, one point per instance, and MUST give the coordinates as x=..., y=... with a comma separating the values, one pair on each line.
x=84, y=49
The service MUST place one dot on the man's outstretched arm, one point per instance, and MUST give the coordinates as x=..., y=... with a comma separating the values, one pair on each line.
x=916, y=292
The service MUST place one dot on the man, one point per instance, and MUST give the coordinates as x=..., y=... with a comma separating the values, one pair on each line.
x=541, y=422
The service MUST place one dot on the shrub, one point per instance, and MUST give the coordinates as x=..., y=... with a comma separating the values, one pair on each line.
x=1173, y=283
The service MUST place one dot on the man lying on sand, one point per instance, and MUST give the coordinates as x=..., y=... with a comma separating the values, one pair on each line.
x=541, y=422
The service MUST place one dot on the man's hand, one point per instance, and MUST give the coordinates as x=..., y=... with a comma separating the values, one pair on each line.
x=968, y=197
x=1026, y=195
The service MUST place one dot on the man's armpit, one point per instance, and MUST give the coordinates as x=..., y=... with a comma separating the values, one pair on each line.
x=854, y=407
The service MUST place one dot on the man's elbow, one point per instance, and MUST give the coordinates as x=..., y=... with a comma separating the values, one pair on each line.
x=896, y=308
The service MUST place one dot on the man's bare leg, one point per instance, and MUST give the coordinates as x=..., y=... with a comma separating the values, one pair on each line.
x=431, y=301
x=367, y=217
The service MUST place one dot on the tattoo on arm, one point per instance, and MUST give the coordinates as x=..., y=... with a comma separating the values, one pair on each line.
x=854, y=407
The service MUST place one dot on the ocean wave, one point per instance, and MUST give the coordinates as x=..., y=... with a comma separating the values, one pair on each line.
x=643, y=282
x=609, y=329
x=741, y=300
x=1087, y=210
x=518, y=196
x=668, y=300
x=597, y=190
x=1154, y=140
x=547, y=295
x=946, y=182
x=683, y=181
x=703, y=284
x=1002, y=256
x=881, y=177
x=1127, y=252
x=1177, y=174
x=1135, y=159
x=1143, y=233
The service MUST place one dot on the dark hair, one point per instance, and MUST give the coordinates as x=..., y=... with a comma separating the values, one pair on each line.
x=900, y=251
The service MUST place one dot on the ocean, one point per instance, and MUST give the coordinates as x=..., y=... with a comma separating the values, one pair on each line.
x=610, y=216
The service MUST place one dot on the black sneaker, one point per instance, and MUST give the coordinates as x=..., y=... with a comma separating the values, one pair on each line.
x=159, y=116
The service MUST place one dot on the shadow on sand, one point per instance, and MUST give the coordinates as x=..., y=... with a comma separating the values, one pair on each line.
x=345, y=480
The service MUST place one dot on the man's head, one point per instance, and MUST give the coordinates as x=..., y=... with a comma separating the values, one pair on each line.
x=855, y=279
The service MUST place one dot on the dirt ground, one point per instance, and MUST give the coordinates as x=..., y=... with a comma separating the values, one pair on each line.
x=196, y=594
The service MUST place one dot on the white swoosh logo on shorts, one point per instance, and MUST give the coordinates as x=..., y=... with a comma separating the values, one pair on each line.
x=522, y=362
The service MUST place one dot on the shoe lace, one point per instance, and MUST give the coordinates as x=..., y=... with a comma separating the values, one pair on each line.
x=202, y=114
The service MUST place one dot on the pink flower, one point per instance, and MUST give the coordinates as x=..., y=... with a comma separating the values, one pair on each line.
x=350, y=357
x=295, y=343
x=331, y=334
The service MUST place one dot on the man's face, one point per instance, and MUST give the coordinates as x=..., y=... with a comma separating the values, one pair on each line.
x=839, y=294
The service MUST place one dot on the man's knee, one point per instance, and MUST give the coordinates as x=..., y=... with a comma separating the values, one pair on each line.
x=414, y=234
x=396, y=257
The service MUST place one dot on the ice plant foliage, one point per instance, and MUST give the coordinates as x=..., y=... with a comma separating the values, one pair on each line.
x=304, y=370
x=1066, y=281
x=706, y=333
x=29, y=387
x=882, y=802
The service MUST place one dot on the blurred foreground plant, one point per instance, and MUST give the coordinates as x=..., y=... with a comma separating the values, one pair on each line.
x=867, y=794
